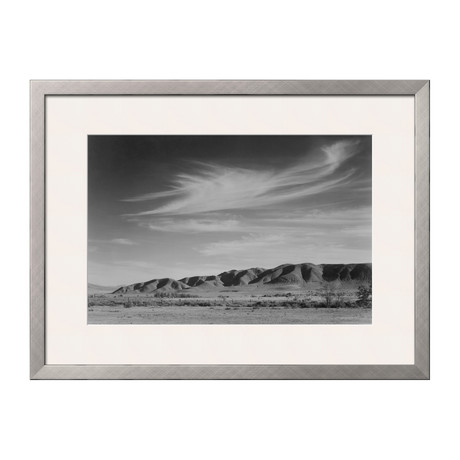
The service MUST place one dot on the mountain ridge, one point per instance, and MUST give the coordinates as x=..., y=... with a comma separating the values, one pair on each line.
x=298, y=275
x=98, y=289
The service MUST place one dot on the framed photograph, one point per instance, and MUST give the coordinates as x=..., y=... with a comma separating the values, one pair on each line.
x=229, y=229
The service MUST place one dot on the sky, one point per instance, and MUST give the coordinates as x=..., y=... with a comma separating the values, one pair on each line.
x=176, y=206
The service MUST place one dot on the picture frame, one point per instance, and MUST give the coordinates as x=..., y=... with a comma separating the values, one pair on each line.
x=41, y=90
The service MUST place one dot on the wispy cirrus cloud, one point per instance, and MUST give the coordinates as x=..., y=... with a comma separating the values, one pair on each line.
x=248, y=242
x=315, y=219
x=303, y=246
x=123, y=241
x=120, y=241
x=198, y=225
x=215, y=187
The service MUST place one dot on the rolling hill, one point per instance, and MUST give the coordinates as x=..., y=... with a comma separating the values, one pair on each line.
x=97, y=289
x=287, y=275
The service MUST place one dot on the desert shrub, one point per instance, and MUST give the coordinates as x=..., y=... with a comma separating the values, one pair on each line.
x=140, y=303
x=339, y=298
x=303, y=298
x=287, y=304
x=365, y=295
x=327, y=293
x=174, y=295
x=128, y=304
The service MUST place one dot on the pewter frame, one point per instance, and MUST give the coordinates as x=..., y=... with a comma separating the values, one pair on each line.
x=40, y=89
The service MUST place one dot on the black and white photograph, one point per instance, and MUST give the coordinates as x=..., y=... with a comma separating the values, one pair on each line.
x=229, y=229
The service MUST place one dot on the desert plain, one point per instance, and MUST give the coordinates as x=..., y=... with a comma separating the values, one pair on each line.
x=287, y=294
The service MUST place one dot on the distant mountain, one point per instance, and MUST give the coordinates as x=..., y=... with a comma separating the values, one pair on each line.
x=160, y=285
x=296, y=275
x=96, y=289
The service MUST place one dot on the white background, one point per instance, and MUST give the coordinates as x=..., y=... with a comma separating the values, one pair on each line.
x=238, y=39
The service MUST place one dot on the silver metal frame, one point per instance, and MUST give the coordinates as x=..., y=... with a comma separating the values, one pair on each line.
x=39, y=90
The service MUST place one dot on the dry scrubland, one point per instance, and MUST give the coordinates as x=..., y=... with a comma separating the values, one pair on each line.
x=326, y=303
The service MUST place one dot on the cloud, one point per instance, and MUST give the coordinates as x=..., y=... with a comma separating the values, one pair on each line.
x=317, y=217
x=288, y=235
x=313, y=222
x=153, y=196
x=244, y=244
x=135, y=264
x=204, y=225
x=123, y=241
x=215, y=188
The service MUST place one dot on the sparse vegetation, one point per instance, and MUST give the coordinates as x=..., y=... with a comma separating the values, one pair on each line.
x=327, y=292
x=174, y=295
x=205, y=304
x=241, y=312
x=339, y=298
x=365, y=295
x=327, y=295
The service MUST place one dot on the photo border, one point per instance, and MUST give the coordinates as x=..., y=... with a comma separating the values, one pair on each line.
x=40, y=89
